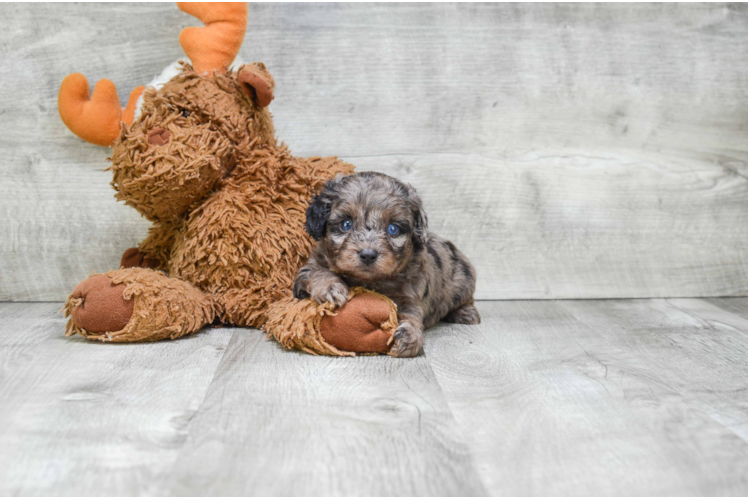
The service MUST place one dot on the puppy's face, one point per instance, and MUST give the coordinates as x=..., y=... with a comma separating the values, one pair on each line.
x=369, y=224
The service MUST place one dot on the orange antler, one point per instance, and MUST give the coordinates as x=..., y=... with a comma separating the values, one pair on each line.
x=214, y=46
x=97, y=119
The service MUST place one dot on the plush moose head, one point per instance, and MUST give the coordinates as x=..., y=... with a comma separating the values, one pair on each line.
x=201, y=113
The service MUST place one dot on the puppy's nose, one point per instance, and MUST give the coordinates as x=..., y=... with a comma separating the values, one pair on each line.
x=368, y=255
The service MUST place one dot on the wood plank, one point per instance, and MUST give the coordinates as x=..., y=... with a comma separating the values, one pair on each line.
x=700, y=354
x=552, y=224
x=84, y=418
x=628, y=397
x=734, y=305
x=575, y=150
x=287, y=423
x=366, y=80
x=723, y=355
x=598, y=397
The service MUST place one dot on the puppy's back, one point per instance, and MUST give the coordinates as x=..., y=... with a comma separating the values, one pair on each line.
x=450, y=279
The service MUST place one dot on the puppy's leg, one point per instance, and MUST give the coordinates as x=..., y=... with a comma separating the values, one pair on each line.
x=301, y=284
x=466, y=314
x=321, y=284
x=408, y=338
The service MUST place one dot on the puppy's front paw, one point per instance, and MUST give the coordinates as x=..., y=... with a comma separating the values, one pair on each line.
x=408, y=341
x=335, y=292
x=299, y=288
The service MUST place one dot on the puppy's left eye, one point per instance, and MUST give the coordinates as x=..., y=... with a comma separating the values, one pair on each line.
x=185, y=113
x=346, y=225
x=393, y=230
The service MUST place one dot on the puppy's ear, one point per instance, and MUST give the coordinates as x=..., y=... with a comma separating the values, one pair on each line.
x=420, y=221
x=319, y=211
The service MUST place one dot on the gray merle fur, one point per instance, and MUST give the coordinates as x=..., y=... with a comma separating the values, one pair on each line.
x=426, y=276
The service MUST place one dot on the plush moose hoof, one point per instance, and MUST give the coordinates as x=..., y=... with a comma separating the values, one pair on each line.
x=99, y=306
x=135, y=258
x=365, y=324
x=357, y=326
x=135, y=305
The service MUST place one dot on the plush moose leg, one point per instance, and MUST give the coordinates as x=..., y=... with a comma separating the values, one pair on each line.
x=365, y=324
x=246, y=306
x=136, y=304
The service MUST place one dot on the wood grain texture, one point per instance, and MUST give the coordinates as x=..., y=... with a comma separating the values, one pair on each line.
x=84, y=418
x=616, y=397
x=283, y=423
x=642, y=397
x=565, y=224
x=573, y=150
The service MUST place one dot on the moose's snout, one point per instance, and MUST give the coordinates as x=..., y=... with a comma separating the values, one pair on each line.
x=368, y=255
x=158, y=136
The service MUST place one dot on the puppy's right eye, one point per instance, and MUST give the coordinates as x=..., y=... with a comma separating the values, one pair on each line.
x=346, y=225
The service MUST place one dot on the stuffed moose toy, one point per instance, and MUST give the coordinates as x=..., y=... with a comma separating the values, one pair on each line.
x=195, y=153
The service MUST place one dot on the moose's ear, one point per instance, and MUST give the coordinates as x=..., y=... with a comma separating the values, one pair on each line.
x=257, y=82
x=319, y=211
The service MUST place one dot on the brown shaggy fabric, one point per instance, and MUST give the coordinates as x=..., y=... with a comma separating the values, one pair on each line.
x=161, y=307
x=245, y=243
x=159, y=242
x=364, y=325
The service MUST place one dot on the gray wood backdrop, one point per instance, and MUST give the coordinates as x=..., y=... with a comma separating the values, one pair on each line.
x=571, y=150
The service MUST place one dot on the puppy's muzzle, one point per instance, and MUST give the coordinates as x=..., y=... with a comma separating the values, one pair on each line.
x=368, y=256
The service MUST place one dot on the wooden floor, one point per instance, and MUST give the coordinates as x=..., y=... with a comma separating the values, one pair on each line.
x=625, y=397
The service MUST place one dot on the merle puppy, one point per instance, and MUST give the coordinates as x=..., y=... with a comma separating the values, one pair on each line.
x=372, y=232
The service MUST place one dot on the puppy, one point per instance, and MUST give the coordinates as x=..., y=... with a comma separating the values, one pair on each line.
x=372, y=232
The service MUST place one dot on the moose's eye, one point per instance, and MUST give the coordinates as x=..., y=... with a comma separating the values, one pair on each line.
x=393, y=230
x=185, y=113
x=346, y=225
